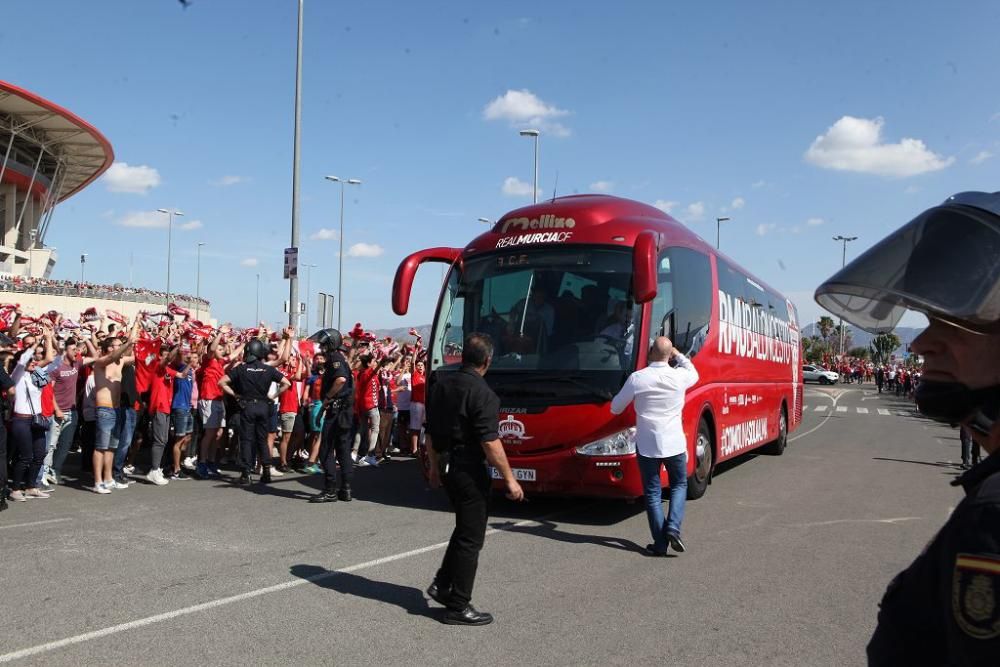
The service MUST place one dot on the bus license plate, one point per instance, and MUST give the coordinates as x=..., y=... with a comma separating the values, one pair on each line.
x=520, y=474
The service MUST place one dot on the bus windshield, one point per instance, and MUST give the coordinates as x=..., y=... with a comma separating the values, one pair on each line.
x=563, y=312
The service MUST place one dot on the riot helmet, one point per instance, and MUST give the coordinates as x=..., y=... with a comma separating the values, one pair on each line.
x=329, y=340
x=256, y=350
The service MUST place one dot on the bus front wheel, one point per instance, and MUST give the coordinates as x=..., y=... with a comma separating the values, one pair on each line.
x=704, y=458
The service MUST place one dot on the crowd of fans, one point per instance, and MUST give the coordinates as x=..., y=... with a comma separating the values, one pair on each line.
x=140, y=400
x=77, y=288
x=894, y=378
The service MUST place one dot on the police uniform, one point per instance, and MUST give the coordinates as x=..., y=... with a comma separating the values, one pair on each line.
x=945, y=608
x=336, y=438
x=463, y=413
x=251, y=382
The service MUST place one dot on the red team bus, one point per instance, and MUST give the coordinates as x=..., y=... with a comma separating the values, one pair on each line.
x=573, y=291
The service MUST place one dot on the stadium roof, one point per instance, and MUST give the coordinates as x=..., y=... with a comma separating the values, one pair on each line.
x=83, y=151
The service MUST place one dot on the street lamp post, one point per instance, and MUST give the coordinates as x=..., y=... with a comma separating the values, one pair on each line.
x=309, y=268
x=31, y=254
x=486, y=221
x=257, y=318
x=170, y=230
x=843, y=263
x=534, y=189
x=197, y=285
x=293, y=279
x=83, y=261
x=340, y=259
x=718, y=228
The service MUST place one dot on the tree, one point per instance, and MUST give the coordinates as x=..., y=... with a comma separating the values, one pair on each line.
x=859, y=352
x=825, y=327
x=848, y=338
x=813, y=349
x=883, y=345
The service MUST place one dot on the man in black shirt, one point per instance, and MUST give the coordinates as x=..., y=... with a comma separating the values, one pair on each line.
x=249, y=384
x=338, y=402
x=6, y=390
x=463, y=416
x=944, y=609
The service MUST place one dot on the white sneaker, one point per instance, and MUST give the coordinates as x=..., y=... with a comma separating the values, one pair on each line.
x=18, y=497
x=275, y=472
x=115, y=484
x=156, y=477
x=371, y=460
x=100, y=488
x=361, y=463
x=50, y=477
x=354, y=456
x=128, y=470
x=190, y=463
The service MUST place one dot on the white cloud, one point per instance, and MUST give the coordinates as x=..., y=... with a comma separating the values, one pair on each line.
x=515, y=187
x=665, y=205
x=815, y=222
x=324, y=234
x=981, y=157
x=695, y=211
x=738, y=203
x=763, y=229
x=759, y=184
x=226, y=181
x=144, y=220
x=190, y=225
x=249, y=262
x=602, y=186
x=121, y=177
x=522, y=108
x=365, y=250
x=855, y=144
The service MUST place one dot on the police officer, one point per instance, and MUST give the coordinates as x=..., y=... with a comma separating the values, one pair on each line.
x=945, y=608
x=463, y=418
x=338, y=400
x=249, y=384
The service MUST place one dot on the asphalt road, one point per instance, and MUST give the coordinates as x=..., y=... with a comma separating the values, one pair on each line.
x=787, y=559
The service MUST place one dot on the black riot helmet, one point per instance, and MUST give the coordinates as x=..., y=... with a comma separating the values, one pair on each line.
x=944, y=264
x=329, y=340
x=256, y=350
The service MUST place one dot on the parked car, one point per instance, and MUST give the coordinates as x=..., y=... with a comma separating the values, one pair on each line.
x=819, y=374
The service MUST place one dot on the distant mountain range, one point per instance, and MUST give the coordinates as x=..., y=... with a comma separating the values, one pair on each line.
x=861, y=338
x=403, y=333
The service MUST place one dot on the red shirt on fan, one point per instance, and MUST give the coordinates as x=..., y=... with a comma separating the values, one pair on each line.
x=367, y=398
x=161, y=389
x=209, y=374
x=147, y=354
x=418, y=392
x=288, y=401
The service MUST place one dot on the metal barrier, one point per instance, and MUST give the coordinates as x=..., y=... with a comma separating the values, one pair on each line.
x=95, y=293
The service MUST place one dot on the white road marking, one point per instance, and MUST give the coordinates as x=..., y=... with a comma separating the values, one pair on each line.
x=883, y=412
x=841, y=408
x=249, y=595
x=821, y=408
x=33, y=523
x=862, y=411
x=818, y=426
x=894, y=520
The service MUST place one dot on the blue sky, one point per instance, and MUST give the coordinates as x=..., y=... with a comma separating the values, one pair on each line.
x=800, y=121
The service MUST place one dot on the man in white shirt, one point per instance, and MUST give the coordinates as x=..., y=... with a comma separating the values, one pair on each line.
x=658, y=391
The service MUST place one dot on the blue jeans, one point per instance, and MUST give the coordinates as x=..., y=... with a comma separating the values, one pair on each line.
x=649, y=469
x=60, y=439
x=124, y=429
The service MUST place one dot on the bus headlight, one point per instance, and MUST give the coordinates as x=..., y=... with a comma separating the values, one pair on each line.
x=618, y=444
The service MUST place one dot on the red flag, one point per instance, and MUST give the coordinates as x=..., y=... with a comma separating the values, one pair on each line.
x=115, y=316
x=89, y=315
x=7, y=314
x=174, y=309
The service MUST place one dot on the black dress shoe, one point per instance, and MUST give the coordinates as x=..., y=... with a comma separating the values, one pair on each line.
x=265, y=478
x=245, y=479
x=345, y=494
x=467, y=616
x=437, y=594
x=324, y=497
x=675, y=543
x=651, y=550
x=3, y=504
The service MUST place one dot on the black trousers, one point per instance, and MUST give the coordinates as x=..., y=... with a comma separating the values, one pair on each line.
x=468, y=490
x=29, y=442
x=253, y=434
x=335, y=447
x=3, y=460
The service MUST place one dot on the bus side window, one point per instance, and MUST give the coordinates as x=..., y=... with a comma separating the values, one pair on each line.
x=692, y=299
x=663, y=303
